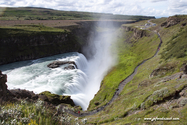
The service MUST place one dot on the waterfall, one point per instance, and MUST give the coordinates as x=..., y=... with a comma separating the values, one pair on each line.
x=81, y=84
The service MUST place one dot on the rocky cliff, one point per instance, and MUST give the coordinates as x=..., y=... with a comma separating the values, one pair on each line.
x=173, y=20
x=25, y=47
x=33, y=45
x=137, y=33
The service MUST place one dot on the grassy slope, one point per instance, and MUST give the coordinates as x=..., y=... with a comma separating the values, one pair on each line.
x=133, y=97
x=129, y=57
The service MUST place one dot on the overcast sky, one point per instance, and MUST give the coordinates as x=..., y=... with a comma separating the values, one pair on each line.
x=158, y=8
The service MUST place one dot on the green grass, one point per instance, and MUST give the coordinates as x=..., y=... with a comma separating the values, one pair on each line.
x=27, y=30
x=176, y=47
x=27, y=113
x=129, y=56
x=134, y=97
x=36, y=113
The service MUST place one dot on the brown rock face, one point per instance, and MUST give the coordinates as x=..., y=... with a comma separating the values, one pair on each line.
x=23, y=94
x=171, y=21
x=3, y=86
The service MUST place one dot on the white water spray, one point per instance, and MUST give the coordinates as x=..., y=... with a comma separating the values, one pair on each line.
x=96, y=68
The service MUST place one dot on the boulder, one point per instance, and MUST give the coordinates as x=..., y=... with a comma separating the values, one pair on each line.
x=69, y=67
x=56, y=64
x=182, y=101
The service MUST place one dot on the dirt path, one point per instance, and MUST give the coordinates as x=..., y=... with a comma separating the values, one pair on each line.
x=120, y=87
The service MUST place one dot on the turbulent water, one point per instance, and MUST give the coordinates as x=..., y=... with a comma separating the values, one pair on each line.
x=81, y=84
x=36, y=76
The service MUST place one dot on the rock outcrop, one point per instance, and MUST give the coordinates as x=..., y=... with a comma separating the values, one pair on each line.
x=3, y=86
x=56, y=64
x=55, y=99
x=138, y=33
x=171, y=21
x=162, y=70
x=14, y=94
x=24, y=94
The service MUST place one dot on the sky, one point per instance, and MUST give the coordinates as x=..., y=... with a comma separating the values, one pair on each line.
x=157, y=8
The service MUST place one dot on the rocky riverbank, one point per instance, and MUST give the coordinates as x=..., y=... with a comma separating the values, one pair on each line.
x=16, y=95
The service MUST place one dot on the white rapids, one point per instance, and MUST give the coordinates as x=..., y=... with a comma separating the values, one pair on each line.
x=81, y=84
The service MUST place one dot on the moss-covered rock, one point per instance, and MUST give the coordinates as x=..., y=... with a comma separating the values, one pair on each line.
x=56, y=99
x=163, y=70
x=158, y=96
x=182, y=101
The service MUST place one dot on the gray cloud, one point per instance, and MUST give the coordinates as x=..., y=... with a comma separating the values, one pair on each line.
x=7, y=2
x=158, y=0
x=130, y=7
x=178, y=7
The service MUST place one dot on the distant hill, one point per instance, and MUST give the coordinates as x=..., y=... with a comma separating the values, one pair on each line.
x=36, y=13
